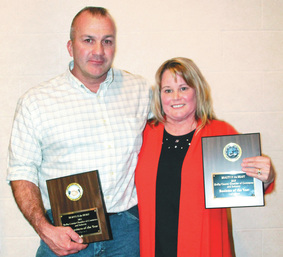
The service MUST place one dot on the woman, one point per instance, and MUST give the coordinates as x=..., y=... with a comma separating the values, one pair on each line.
x=169, y=176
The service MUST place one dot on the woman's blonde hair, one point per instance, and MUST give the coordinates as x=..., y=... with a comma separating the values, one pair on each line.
x=188, y=70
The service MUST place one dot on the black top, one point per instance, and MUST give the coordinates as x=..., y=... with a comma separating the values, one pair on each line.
x=168, y=185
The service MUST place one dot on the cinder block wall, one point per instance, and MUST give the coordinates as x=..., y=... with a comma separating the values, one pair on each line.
x=237, y=44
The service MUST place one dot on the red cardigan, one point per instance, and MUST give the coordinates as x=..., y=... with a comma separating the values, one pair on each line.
x=202, y=232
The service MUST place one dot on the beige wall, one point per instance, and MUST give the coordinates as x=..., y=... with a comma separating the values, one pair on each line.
x=238, y=44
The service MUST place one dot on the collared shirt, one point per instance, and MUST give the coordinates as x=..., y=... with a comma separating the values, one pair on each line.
x=62, y=128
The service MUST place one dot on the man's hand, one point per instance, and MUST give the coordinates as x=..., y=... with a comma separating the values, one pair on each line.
x=61, y=240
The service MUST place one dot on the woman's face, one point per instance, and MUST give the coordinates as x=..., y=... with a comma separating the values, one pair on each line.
x=177, y=98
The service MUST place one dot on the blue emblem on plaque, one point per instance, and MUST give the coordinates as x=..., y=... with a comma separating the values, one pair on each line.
x=232, y=152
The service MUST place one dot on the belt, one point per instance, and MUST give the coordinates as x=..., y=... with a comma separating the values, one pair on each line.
x=112, y=213
x=133, y=210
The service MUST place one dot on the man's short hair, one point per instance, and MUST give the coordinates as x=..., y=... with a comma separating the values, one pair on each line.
x=95, y=11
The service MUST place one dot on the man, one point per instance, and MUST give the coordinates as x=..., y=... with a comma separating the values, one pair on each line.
x=89, y=118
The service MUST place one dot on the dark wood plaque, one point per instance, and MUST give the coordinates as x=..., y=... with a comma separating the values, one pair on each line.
x=225, y=184
x=77, y=201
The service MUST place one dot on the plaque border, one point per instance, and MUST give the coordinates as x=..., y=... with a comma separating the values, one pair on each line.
x=213, y=166
x=61, y=204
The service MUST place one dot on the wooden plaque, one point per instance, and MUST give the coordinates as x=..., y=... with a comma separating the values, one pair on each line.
x=77, y=201
x=225, y=184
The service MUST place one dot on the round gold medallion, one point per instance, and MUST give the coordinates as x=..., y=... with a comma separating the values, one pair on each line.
x=74, y=191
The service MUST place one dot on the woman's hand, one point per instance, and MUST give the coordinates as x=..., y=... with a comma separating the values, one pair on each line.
x=259, y=167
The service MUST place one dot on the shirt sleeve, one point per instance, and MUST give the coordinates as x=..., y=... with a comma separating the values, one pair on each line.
x=25, y=156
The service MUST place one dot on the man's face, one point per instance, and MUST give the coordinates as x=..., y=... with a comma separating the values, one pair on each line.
x=92, y=47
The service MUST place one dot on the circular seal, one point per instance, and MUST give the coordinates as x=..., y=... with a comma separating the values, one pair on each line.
x=74, y=192
x=232, y=152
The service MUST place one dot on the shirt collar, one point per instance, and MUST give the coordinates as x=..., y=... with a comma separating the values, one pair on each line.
x=78, y=84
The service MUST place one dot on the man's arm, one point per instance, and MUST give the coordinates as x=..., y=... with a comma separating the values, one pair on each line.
x=61, y=240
